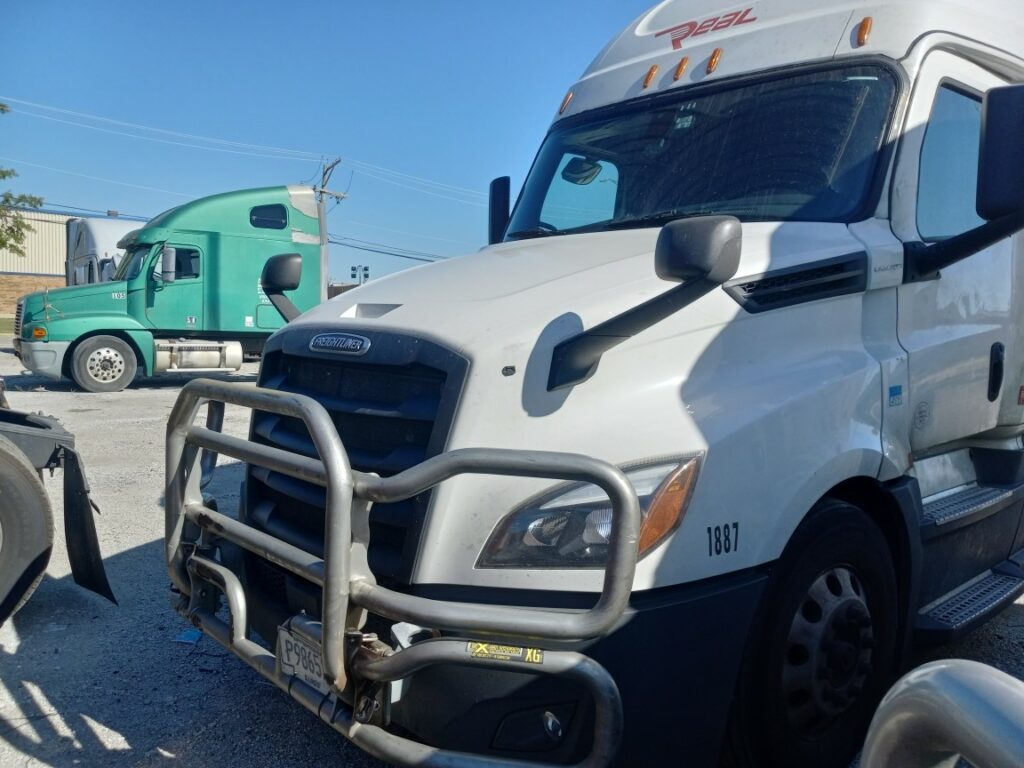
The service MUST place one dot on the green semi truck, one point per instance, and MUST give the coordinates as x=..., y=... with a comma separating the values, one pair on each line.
x=186, y=297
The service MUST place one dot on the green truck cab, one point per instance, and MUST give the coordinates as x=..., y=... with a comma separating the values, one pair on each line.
x=186, y=297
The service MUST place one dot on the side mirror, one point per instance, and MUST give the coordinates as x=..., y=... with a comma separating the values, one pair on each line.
x=1000, y=189
x=700, y=248
x=168, y=263
x=500, y=199
x=1001, y=162
x=282, y=273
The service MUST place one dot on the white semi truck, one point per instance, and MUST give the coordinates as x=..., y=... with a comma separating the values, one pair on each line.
x=727, y=417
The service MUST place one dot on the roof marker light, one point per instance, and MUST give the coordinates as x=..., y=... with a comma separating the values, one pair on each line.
x=713, y=61
x=649, y=77
x=864, y=31
x=565, y=102
x=681, y=67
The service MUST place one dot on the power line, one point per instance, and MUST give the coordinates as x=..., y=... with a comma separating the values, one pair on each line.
x=120, y=214
x=387, y=252
x=97, y=178
x=385, y=245
x=378, y=172
x=164, y=141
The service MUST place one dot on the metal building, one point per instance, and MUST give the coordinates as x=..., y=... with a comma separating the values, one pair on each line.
x=45, y=246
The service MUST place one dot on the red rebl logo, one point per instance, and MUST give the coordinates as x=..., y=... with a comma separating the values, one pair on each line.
x=681, y=32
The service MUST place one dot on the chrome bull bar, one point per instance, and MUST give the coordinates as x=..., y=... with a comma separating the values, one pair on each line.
x=354, y=662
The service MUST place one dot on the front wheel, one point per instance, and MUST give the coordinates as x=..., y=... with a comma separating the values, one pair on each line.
x=103, y=364
x=824, y=651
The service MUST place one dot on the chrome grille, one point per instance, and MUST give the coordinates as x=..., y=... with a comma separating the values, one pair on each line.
x=18, y=312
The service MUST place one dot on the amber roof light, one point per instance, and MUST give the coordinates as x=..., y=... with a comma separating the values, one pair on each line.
x=864, y=31
x=681, y=67
x=565, y=102
x=713, y=61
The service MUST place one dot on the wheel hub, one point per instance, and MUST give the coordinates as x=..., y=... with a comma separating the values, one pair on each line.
x=105, y=364
x=828, y=651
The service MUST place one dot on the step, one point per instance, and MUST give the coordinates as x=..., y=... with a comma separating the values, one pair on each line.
x=973, y=502
x=967, y=606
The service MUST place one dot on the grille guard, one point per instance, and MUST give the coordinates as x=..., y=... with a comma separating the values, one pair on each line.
x=353, y=662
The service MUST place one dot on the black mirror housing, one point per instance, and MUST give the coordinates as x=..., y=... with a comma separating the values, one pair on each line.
x=282, y=273
x=699, y=248
x=500, y=199
x=1001, y=161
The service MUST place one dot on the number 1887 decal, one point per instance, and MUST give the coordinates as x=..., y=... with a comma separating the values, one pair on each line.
x=723, y=539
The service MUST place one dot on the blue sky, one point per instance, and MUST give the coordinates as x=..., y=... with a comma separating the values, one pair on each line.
x=424, y=102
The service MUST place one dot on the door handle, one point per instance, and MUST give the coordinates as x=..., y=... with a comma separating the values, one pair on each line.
x=996, y=361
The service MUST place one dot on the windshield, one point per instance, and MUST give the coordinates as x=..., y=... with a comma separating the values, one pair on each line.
x=131, y=264
x=798, y=148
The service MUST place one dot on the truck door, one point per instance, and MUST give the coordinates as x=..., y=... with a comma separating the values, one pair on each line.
x=949, y=325
x=177, y=306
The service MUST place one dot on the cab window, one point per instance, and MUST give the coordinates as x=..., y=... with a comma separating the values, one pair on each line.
x=186, y=264
x=948, y=184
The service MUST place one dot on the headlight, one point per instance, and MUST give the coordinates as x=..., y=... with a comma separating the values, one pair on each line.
x=569, y=527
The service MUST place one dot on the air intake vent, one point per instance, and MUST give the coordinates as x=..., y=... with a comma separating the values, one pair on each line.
x=809, y=282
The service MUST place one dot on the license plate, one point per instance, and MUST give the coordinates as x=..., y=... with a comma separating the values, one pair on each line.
x=303, y=660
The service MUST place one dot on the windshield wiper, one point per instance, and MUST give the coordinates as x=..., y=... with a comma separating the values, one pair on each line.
x=653, y=219
x=535, y=232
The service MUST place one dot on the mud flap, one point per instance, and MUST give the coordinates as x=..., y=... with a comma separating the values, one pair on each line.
x=80, y=529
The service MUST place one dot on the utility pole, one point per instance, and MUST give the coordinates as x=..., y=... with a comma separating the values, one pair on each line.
x=322, y=193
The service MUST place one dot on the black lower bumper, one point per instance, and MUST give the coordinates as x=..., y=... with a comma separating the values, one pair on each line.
x=675, y=658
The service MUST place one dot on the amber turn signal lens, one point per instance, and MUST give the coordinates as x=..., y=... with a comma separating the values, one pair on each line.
x=565, y=102
x=668, y=507
x=864, y=31
x=38, y=333
x=649, y=77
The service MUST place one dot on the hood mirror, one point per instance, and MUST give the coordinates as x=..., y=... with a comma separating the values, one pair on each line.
x=699, y=248
x=282, y=273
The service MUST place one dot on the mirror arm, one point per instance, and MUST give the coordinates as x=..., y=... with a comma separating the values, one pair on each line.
x=575, y=359
x=922, y=261
x=283, y=305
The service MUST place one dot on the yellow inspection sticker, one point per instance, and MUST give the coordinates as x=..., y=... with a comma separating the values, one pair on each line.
x=505, y=652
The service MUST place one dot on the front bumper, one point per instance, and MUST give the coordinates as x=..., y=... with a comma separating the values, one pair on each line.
x=357, y=669
x=675, y=657
x=45, y=358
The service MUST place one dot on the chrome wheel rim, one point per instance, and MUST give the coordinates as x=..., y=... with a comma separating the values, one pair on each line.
x=105, y=364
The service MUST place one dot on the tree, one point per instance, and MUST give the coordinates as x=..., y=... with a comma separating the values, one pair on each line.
x=13, y=226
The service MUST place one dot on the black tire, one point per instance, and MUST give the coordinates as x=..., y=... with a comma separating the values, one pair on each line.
x=103, y=364
x=823, y=650
x=26, y=529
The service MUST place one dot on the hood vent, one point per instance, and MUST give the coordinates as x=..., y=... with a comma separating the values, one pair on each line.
x=817, y=280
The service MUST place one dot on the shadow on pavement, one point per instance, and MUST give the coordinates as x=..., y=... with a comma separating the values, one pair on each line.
x=87, y=683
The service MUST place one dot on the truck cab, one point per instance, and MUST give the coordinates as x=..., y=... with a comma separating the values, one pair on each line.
x=764, y=271
x=185, y=297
